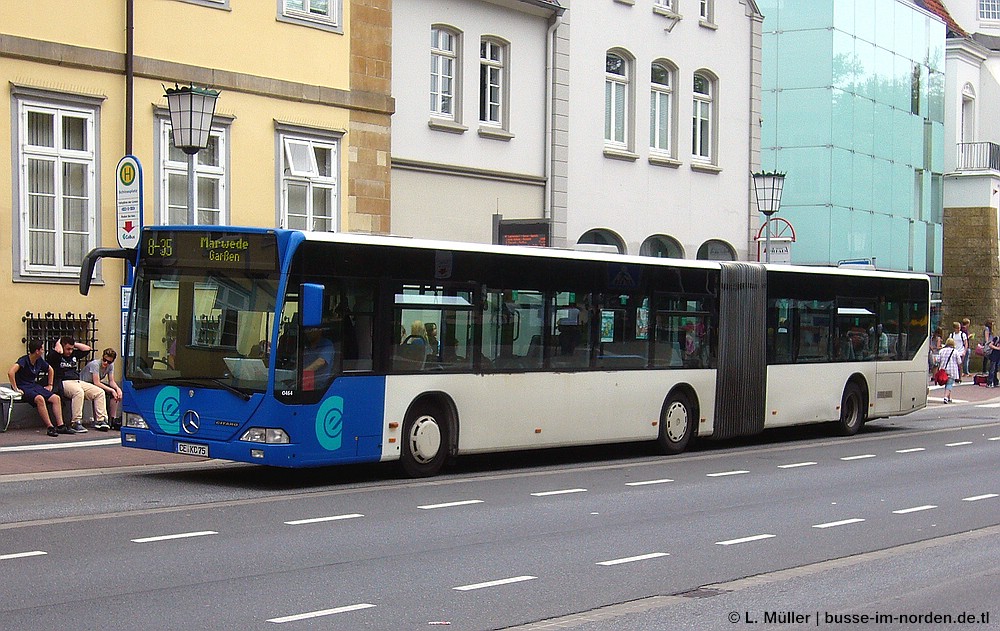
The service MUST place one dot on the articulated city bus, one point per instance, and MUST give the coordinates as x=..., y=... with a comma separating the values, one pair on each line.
x=298, y=349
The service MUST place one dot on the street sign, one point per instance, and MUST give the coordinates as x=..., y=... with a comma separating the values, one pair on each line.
x=128, y=201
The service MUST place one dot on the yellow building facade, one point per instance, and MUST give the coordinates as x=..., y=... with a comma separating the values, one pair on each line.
x=300, y=135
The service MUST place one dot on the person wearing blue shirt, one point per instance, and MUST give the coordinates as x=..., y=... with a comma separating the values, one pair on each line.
x=317, y=358
x=23, y=376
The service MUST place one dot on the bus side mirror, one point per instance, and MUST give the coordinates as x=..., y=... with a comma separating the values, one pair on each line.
x=312, y=304
x=90, y=262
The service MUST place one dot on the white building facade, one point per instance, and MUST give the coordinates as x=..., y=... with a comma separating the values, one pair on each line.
x=469, y=136
x=663, y=129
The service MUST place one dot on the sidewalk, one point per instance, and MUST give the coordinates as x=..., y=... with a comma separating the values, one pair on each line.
x=27, y=451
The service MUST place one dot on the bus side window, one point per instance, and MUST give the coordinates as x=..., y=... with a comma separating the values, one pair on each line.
x=513, y=328
x=572, y=329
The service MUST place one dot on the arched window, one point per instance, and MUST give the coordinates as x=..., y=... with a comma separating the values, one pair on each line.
x=444, y=66
x=603, y=237
x=703, y=116
x=716, y=250
x=661, y=246
x=616, y=103
x=661, y=108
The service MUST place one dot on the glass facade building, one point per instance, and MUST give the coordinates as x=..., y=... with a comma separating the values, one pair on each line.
x=853, y=111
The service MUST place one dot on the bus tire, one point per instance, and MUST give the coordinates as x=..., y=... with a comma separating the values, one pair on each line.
x=852, y=410
x=425, y=441
x=676, y=424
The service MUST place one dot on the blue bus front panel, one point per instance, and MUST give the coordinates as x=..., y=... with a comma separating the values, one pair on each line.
x=345, y=426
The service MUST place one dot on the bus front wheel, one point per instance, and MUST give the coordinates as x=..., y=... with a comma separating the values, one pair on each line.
x=675, y=424
x=425, y=442
x=852, y=411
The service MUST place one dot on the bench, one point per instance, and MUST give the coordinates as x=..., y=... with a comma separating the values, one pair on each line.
x=26, y=416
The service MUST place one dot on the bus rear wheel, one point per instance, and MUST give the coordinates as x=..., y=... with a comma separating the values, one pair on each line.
x=425, y=442
x=676, y=423
x=852, y=411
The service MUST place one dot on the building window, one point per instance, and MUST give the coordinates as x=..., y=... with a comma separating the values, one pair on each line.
x=604, y=240
x=661, y=246
x=706, y=10
x=661, y=109
x=716, y=250
x=210, y=177
x=57, y=192
x=616, y=105
x=989, y=9
x=666, y=5
x=701, y=121
x=444, y=63
x=319, y=12
x=492, y=82
x=309, y=195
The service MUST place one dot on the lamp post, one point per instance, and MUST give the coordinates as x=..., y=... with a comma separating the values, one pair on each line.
x=767, y=187
x=191, y=111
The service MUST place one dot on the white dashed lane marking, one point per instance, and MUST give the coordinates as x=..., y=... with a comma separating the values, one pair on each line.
x=723, y=474
x=976, y=498
x=860, y=457
x=316, y=520
x=503, y=581
x=912, y=450
x=183, y=535
x=449, y=504
x=322, y=612
x=842, y=522
x=915, y=509
x=641, y=557
x=562, y=492
x=646, y=482
x=731, y=542
x=22, y=555
x=796, y=465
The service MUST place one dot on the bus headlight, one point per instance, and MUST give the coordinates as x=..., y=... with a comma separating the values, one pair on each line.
x=130, y=419
x=267, y=435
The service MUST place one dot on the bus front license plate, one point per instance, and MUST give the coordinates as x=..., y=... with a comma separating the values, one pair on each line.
x=192, y=450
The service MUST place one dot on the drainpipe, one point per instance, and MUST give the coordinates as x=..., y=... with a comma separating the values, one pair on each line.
x=129, y=72
x=550, y=49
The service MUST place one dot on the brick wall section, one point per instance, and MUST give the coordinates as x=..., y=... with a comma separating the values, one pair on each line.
x=970, y=287
x=369, y=133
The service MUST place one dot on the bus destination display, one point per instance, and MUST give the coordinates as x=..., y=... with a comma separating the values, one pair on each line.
x=218, y=250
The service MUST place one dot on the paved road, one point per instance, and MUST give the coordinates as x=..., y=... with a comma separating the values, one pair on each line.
x=627, y=540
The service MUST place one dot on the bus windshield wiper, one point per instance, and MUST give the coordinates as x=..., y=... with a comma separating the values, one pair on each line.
x=197, y=381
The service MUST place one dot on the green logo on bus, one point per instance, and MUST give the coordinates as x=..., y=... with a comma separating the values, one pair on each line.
x=330, y=423
x=167, y=409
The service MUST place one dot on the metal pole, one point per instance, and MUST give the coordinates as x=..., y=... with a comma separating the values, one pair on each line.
x=767, y=239
x=191, y=189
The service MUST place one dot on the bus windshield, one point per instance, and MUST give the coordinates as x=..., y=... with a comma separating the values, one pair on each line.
x=202, y=326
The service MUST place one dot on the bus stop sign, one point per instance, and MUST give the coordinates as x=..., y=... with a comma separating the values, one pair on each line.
x=128, y=201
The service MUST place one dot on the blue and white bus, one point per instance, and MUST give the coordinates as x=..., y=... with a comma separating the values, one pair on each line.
x=427, y=350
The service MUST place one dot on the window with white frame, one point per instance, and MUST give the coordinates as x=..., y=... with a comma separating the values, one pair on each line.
x=706, y=10
x=701, y=119
x=661, y=109
x=444, y=64
x=989, y=9
x=309, y=196
x=667, y=5
x=324, y=12
x=616, y=105
x=210, y=179
x=57, y=149
x=492, y=80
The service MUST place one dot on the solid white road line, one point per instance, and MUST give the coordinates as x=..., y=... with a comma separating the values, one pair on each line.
x=743, y=540
x=910, y=451
x=641, y=557
x=645, y=482
x=842, y=522
x=449, y=504
x=723, y=474
x=562, y=492
x=503, y=581
x=316, y=520
x=964, y=442
x=85, y=443
x=861, y=457
x=21, y=555
x=914, y=509
x=976, y=498
x=796, y=465
x=183, y=535
x=322, y=612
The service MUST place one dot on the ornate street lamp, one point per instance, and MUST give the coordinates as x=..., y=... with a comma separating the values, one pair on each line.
x=191, y=112
x=767, y=187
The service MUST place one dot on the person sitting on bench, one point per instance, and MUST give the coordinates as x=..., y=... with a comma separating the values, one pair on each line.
x=23, y=376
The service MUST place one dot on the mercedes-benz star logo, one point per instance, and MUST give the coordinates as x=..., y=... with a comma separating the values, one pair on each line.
x=191, y=422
